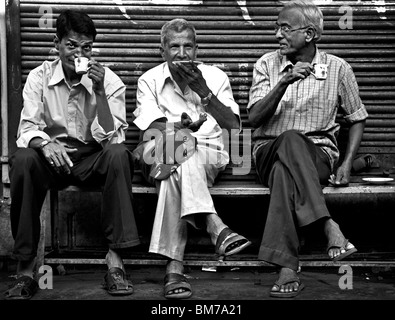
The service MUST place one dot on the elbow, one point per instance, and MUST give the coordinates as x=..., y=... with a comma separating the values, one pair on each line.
x=252, y=120
x=233, y=125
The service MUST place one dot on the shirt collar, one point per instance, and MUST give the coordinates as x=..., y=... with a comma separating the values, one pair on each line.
x=58, y=76
x=285, y=62
x=166, y=74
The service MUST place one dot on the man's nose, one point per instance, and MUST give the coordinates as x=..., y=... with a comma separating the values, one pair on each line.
x=77, y=52
x=182, y=52
x=279, y=34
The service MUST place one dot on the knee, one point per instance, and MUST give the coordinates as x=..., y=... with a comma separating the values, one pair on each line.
x=291, y=135
x=293, y=139
x=119, y=153
x=24, y=158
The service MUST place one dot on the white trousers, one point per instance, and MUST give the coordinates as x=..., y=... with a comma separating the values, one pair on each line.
x=183, y=195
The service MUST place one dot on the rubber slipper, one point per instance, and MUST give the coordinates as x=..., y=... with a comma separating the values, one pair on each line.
x=23, y=288
x=279, y=294
x=346, y=249
x=174, y=281
x=116, y=284
x=363, y=162
x=227, y=238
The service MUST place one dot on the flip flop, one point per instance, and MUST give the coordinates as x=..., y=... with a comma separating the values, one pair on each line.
x=174, y=281
x=23, y=288
x=227, y=238
x=346, y=249
x=279, y=294
x=364, y=162
x=116, y=284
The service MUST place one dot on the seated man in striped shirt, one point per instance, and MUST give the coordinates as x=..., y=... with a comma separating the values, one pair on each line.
x=294, y=99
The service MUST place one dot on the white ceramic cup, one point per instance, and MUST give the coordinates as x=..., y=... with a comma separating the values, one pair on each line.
x=320, y=71
x=81, y=65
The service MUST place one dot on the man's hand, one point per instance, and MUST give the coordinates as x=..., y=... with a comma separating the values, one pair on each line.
x=186, y=121
x=193, y=78
x=58, y=157
x=300, y=70
x=342, y=177
x=96, y=73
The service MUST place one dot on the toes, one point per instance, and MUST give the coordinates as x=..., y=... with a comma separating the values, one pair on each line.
x=275, y=288
x=176, y=291
x=333, y=253
x=234, y=245
x=290, y=287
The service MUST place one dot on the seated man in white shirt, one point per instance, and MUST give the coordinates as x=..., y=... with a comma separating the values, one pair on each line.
x=182, y=97
x=71, y=131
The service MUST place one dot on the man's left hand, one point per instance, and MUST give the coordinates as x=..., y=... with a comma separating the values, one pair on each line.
x=96, y=73
x=194, y=79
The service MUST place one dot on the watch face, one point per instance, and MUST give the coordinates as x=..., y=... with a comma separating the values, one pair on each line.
x=44, y=143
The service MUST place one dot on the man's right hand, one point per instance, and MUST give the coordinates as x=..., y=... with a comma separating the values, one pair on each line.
x=187, y=122
x=57, y=156
x=300, y=70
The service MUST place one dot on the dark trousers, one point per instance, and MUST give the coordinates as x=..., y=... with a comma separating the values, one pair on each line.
x=31, y=176
x=294, y=169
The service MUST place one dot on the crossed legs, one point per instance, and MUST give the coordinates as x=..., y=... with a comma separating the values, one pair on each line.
x=185, y=198
x=294, y=169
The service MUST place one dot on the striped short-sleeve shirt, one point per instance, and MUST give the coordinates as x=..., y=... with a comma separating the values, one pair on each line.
x=309, y=106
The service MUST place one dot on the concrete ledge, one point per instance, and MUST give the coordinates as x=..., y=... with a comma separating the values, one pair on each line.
x=254, y=189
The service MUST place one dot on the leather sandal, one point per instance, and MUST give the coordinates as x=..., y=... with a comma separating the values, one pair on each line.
x=23, y=288
x=116, y=284
x=229, y=243
x=175, y=281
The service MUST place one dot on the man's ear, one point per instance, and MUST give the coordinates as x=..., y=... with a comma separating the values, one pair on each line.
x=56, y=41
x=162, y=52
x=310, y=34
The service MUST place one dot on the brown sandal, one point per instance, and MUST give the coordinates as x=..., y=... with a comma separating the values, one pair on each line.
x=22, y=288
x=116, y=284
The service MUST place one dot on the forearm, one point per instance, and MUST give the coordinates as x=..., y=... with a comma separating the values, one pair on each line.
x=224, y=115
x=104, y=115
x=354, y=140
x=162, y=123
x=264, y=109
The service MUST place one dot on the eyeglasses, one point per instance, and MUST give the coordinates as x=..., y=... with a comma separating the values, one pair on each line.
x=286, y=29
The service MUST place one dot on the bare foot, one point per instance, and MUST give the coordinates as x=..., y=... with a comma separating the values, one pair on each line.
x=285, y=279
x=113, y=259
x=335, y=238
x=175, y=266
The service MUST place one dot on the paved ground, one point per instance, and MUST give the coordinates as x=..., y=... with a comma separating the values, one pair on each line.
x=227, y=284
x=234, y=293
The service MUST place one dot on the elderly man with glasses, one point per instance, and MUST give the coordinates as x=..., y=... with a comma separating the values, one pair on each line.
x=293, y=108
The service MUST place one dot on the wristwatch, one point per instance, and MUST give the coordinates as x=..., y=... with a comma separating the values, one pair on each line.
x=43, y=144
x=206, y=100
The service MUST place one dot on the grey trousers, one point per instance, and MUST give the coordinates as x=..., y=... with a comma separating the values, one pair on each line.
x=294, y=169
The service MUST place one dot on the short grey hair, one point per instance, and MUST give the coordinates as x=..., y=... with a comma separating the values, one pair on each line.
x=312, y=15
x=177, y=25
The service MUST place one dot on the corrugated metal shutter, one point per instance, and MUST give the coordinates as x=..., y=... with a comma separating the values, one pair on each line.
x=231, y=35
